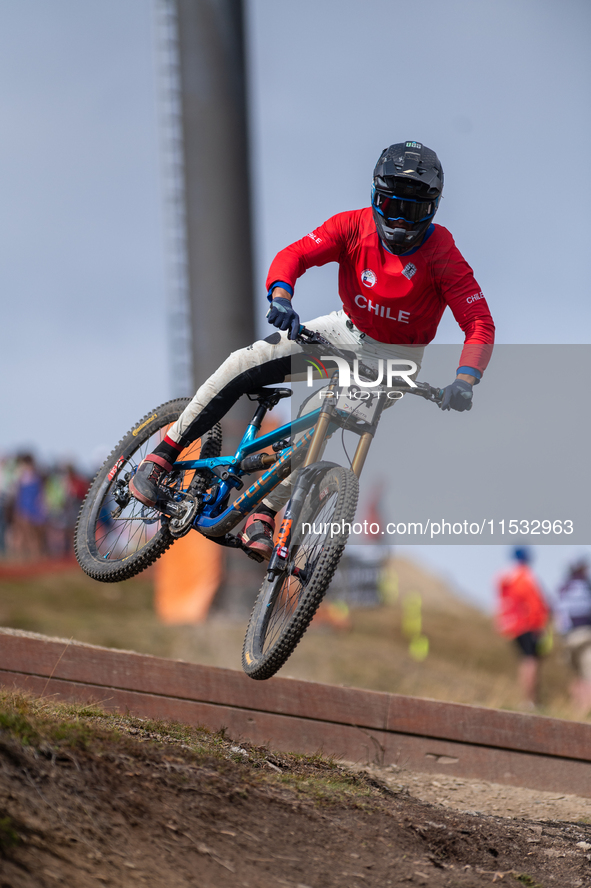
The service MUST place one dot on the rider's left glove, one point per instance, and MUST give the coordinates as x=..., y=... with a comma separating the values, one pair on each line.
x=457, y=396
x=282, y=315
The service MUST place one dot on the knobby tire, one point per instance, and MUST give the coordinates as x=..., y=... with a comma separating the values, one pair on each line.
x=286, y=605
x=109, y=548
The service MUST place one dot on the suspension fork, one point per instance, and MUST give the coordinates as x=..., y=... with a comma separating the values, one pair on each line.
x=300, y=489
x=306, y=479
x=361, y=452
x=365, y=440
x=322, y=423
x=309, y=471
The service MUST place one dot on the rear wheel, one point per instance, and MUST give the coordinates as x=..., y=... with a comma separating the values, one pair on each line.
x=286, y=605
x=116, y=536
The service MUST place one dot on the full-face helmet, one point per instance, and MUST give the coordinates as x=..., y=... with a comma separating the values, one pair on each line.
x=407, y=186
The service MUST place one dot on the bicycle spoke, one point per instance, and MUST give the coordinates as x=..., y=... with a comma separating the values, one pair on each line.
x=286, y=604
x=117, y=538
x=134, y=528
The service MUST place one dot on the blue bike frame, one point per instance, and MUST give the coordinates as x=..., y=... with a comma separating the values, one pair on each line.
x=216, y=515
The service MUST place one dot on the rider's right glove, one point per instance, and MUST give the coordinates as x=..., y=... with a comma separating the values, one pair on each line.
x=282, y=315
x=457, y=396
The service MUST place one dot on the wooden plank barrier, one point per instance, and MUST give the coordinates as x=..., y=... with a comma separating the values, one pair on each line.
x=299, y=716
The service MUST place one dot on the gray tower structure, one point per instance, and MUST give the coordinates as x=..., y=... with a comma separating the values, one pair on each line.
x=210, y=218
x=217, y=179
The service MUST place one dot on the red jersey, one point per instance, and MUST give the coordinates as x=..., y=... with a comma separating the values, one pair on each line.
x=521, y=604
x=395, y=299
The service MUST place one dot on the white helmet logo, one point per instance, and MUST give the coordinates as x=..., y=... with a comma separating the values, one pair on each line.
x=368, y=278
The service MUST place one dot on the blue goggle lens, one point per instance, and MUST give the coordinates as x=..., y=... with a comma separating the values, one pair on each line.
x=393, y=208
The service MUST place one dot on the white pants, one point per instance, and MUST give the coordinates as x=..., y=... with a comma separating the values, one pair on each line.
x=269, y=361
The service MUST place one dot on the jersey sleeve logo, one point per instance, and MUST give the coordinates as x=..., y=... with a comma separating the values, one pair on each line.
x=368, y=278
x=315, y=238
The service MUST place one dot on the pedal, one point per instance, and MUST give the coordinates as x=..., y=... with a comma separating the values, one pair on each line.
x=185, y=513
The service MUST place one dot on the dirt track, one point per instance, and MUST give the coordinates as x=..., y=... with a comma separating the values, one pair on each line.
x=463, y=794
x=85, y=807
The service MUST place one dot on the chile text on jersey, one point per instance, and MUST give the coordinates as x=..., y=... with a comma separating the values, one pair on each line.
x=395, y=299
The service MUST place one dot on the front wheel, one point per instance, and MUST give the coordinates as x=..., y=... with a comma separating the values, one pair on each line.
x=116, y=536
x=286, y=605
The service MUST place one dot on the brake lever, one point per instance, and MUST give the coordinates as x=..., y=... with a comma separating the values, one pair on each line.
x=309, y=337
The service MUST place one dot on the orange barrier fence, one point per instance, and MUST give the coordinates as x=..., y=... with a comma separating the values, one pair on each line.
x=186, y=580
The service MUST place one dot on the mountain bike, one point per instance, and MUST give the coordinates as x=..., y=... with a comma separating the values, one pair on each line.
x=117, y=537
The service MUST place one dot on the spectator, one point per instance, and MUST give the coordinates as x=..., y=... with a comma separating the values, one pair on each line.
x=76, y=488
x=7, y=483
x=522, y=616
x=29, y=510
x=573, y=620
x=55, y=492
x=38, y=509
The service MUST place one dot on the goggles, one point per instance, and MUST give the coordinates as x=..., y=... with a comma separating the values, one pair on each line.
x=413, y=211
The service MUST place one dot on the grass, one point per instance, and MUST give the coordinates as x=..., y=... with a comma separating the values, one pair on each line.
x=15, y=723
x=467, y=662
x=33, y=721
x=329, y=790
x=51, y=727
x=36, y=721
x=524, y=879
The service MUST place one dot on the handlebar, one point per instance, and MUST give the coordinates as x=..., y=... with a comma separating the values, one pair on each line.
x=423, y=389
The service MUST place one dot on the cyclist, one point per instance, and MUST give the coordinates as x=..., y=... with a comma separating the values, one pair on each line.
x=397, y=274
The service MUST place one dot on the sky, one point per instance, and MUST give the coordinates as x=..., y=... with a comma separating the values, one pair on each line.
x=500, y=90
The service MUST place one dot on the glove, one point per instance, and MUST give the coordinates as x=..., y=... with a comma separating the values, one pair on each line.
x=457, y=396
x=283, y=316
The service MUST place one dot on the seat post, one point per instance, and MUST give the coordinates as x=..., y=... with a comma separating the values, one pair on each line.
x=259, y=415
